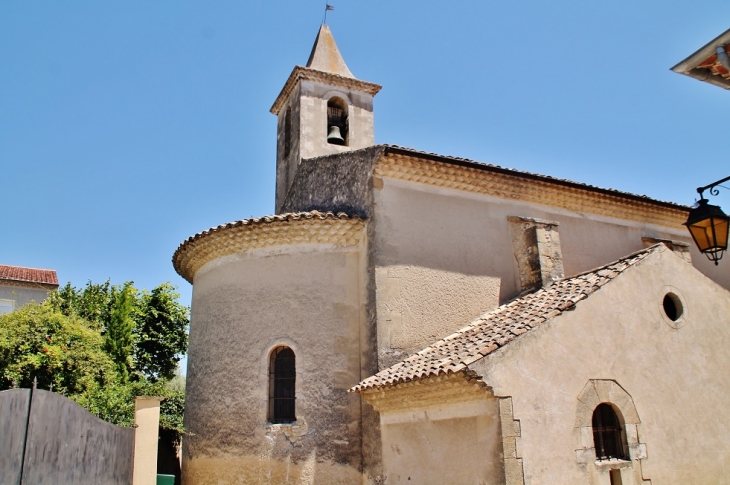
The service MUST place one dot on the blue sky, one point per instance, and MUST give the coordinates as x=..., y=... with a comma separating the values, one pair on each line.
x=126, y=127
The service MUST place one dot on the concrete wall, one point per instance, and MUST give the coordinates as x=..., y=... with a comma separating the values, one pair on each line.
x=311, y=298
x=674, y=374
x=441, y=444
x=444, y=256
x=308, y=102
x=146, y=437
x=21, y=296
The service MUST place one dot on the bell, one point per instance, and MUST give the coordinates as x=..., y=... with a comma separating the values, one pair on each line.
x=335, y=137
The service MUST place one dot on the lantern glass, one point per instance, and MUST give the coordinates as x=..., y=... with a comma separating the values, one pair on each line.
x=709, y=226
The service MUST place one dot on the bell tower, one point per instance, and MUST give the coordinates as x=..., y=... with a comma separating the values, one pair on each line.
x=322, y=110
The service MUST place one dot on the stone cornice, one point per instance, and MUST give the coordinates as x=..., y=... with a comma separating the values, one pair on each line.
x=321, y=77
x=512, y=184
x=280, y=230
x=444, y=388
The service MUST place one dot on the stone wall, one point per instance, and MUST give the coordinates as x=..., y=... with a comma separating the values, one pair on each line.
x=444, y=256
x=308, y=102
x=311, y=298
x=337, y=183
x=666, y=379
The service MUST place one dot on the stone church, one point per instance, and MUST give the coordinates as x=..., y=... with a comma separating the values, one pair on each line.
x=408, y=317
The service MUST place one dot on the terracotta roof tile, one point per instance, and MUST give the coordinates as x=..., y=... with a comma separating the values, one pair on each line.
x=501, y=326
x=389, y=148
x=28, y=275
x=288, y=228
x=254, y=221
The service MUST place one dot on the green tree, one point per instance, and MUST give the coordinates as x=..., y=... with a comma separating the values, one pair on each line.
x=93, y=361
x=93, y=303
x=64, y=351
x=115, y=404
x=161, y=333
x=118, y=338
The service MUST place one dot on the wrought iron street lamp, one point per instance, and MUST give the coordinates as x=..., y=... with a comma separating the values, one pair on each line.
x=709, y=225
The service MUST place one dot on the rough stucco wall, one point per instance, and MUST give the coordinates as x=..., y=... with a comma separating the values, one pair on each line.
x=310, y=298
x=417, y=224
x=417, y=306
x=677, y=378
x=334, y=183
x=438, y=444
x=22, y=296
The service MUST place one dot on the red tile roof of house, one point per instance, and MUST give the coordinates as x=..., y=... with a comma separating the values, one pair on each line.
x=19, y=274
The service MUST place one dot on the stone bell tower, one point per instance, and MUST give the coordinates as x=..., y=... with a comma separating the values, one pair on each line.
x=322, y=110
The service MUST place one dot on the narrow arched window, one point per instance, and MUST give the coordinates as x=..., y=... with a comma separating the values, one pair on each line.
x=287, y=132
x=608, y=436
x=337, y=122
x=282, y=380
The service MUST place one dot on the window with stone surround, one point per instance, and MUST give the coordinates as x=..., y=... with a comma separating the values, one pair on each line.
x=282, y=381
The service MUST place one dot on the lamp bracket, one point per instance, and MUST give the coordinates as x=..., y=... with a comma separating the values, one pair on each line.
x=712, y=187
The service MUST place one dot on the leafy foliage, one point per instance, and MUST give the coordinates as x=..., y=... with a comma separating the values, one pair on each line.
x=118, y=337
x=59, y=350
x=115, y=404
x=102, y=346
x=161, y=333
x=93, y=303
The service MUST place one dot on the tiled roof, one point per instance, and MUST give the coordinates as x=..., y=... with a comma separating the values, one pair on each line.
x=28, y=275
x=281, y=229
x=396, y=149
x=501, y=326
x=255, y=221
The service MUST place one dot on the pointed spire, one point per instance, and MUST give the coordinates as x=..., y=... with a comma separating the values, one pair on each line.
x=326, y=56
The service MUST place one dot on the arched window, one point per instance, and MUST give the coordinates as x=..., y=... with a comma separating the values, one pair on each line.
x=282, y=380
x=287, y=132
x=337, y=123
x=608, y=436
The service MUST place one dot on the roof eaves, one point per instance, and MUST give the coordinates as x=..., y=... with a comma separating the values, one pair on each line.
x=465, y=162
x=696, y=58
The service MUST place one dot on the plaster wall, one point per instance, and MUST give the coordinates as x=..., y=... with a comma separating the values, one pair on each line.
x=146, y=436
x=673, y=372
x=21, y=296
x=443, y=443
x=311, y=298
x=444, y=256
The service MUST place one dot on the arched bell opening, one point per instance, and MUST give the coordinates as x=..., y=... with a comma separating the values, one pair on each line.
x=337, y=122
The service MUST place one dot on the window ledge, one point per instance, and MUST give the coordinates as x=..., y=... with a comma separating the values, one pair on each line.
x=613, y=463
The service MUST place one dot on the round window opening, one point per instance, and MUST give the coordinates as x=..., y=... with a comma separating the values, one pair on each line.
x=673, y=306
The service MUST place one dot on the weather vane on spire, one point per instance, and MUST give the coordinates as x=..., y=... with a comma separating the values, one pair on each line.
x=327, y=7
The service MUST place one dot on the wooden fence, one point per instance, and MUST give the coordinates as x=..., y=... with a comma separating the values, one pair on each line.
x=46, y=438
